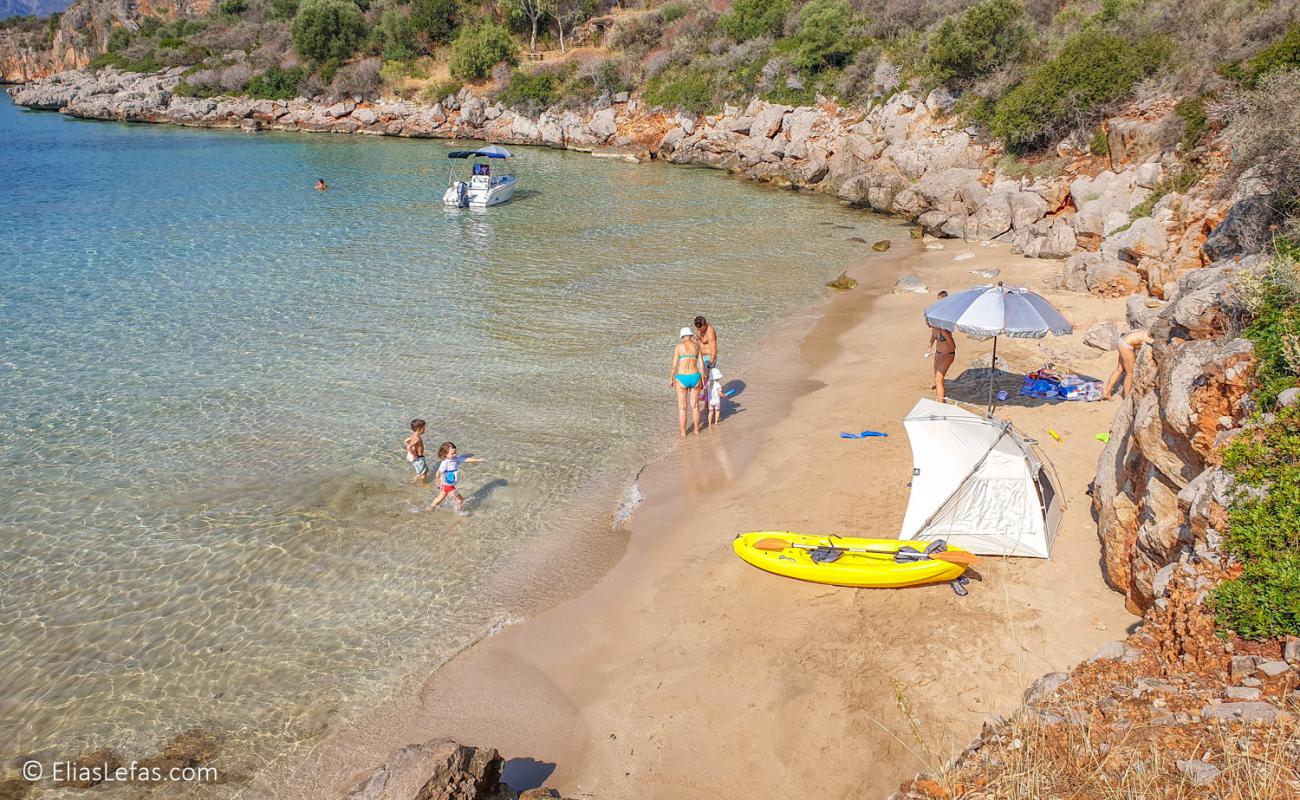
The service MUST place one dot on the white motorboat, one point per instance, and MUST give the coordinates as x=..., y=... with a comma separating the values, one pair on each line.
x=489, y=182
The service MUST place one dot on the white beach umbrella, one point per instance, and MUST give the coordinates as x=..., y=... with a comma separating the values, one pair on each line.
x=993, y=311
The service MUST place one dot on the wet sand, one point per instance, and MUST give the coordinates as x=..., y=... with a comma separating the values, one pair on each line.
x=685, y=673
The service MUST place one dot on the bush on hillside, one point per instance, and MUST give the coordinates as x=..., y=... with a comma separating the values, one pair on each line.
x=685, y=89
x=283, y=9
x=276, y=83
x=118, y=40
x=1265, y=132
x=1263, y=529
x=1283, y=54
x=395, y=35
x=1093, y=70
x=434, y=20
x=822, y=38
x=362, y=78
x=986, y=36
x=328, y=29
x=750, y=19
x=530, y=92
x=480, y=47
x=233, y=8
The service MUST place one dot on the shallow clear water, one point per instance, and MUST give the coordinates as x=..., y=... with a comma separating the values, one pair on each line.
x=206, y=370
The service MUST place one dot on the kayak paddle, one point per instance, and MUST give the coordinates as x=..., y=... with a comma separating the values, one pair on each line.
x=950, y=556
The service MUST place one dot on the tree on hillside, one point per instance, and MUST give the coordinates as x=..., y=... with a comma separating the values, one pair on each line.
x=480, y=47
x=570, y=13
x=435, y=20
x=328, y=29
x=534, y=10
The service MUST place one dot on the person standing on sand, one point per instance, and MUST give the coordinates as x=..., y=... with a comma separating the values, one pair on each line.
x=1126, y=347
x=944, y=346
x=686, y=376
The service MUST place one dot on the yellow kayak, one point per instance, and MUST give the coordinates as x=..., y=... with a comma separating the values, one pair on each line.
x=849, y=568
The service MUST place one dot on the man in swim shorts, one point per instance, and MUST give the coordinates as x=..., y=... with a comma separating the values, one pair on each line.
x=708, y=338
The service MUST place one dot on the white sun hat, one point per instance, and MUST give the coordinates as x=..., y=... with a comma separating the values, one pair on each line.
x=715, y=374
x=685, y=332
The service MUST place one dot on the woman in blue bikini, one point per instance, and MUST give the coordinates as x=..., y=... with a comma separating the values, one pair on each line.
x=688, y=364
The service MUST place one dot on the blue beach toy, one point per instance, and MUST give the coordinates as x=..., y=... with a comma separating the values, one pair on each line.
x=863, y=435
x=729, y=393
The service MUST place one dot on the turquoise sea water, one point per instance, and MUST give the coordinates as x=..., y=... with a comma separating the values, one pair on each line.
x=206, y=370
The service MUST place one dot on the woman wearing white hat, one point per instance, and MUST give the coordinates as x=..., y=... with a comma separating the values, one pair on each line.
x=685, y=377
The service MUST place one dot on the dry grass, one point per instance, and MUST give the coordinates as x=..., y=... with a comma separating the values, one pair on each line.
x=1087, y=762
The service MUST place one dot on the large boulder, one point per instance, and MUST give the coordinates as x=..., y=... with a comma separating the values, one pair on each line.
x=1145, y=238
x=1104, y=202
x=1108, y=277
x=767, y=122
x=1050, y=238
x=439, y=769
x=1245, y=230
x=1133, y=140
x=993, y=218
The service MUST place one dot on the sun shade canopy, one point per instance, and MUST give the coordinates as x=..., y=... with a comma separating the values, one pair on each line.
x=978, y=483
x=998, y=311
x=491, y=151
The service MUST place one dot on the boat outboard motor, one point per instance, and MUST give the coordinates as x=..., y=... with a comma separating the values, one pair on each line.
x=462, y=194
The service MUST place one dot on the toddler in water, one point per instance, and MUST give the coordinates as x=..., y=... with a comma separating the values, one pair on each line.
x=449, y=475
x=415, y=451
x=715, y=396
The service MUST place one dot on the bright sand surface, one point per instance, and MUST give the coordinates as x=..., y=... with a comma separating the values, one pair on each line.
x=685, y=673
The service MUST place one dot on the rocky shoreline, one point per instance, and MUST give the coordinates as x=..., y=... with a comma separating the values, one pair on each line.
x=909, y=157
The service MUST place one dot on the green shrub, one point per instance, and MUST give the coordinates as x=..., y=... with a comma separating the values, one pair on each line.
x=1176, y=181
x=435, y=20
x=480, y=47
x=233, y=7
x=276, y=83
x=118, y=40
x=986, y=36
x=750, y=19
x=435, y=92
x=1193, y=114
x=1282, y=54
x=1263, y=530
x=395, y=35
x=689, y=90
x=283, y=9
x=671, y=12
x=1100, y=144
x=52, y=25
x=1092, y=70
x=328, y=29
x=146, y=63
x=531, y=91
x=822, y=38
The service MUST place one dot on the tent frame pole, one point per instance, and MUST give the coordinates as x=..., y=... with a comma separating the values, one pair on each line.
x=993, y=368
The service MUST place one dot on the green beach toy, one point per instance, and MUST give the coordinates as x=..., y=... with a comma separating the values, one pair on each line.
x=1104, y=438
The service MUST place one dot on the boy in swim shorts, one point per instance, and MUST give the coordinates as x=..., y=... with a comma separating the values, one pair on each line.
x=415, y=451
x=449, y=475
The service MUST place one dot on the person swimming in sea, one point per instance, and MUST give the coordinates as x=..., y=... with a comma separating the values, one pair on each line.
x=686, y=376
x=320, y=185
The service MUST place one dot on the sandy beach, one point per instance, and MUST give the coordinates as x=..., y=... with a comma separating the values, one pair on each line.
x=686, y=673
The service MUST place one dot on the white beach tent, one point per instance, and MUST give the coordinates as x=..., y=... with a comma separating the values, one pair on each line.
x=978, y=484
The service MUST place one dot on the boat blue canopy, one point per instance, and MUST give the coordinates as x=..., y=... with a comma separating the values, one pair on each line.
x=491, y=151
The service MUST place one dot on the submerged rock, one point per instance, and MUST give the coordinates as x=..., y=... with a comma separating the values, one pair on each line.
x=881, y=246
x=842, y=283
x=910, y=283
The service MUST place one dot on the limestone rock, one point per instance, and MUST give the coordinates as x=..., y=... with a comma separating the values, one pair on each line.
x=439, y=768
x=1198, y=773
x=910, y=283
x=1111, y=278
x=1245, y=230
x=1244, y=712
x=1102, y=336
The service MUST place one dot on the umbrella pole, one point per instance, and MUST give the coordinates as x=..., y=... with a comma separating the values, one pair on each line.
x=993, y=366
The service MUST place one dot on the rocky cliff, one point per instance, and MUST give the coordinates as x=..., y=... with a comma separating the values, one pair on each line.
x=81, y=34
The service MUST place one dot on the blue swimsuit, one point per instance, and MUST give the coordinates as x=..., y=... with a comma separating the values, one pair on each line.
x=691, y=379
